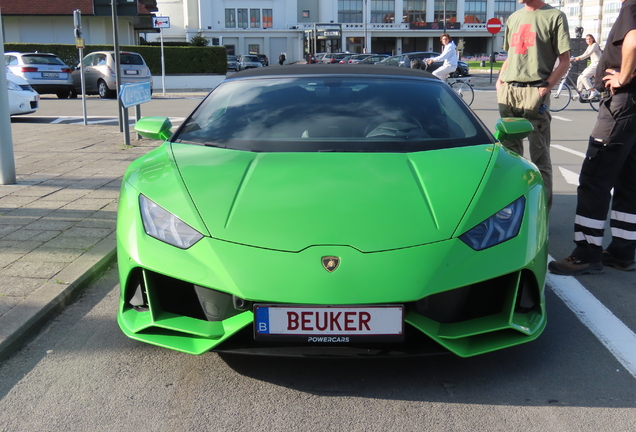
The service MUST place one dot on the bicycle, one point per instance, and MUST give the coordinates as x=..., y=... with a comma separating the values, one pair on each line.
x=461, y=86
x=561, y=94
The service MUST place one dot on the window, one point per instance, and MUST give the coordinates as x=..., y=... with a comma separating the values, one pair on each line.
x=350, y=11
x=475, y=11
x=382, y=11
x=445, y=10
x=242, y=18
x=255, y=18
x=254, y=49
x=267, y=18
x=230, y=18
x=504, y=8
x=306, y=14
x=414, y=11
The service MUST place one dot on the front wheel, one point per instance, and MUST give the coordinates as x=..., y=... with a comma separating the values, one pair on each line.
x=560, y=97
x=464, y=90
x=595, y=104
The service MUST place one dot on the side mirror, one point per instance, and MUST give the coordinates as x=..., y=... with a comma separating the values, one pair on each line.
x=158, y=128
x=512, y=128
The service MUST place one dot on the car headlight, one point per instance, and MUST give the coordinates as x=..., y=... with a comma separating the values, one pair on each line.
x=13, y=86
x=164, y=226
x=498, y=228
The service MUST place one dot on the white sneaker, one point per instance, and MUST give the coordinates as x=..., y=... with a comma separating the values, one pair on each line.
x=595, y=94
x=575, y=96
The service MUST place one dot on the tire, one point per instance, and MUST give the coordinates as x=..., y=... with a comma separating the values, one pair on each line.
x=103, y=90
x=73, y=94
x=595, y=104
x=464, y=90
x=560, y=97
x=63, y=94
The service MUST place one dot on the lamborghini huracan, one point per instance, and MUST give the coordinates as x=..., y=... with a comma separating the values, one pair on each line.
x=332, y=210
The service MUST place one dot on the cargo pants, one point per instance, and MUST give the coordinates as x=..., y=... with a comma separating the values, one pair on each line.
x=525, y=102
x=610, y=162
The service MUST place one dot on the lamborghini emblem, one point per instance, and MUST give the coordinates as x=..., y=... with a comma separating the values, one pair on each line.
x=330, y=263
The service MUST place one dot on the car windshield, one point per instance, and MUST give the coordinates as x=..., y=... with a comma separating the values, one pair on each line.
x=333, y=113
x=250, y=58
x=42, y=60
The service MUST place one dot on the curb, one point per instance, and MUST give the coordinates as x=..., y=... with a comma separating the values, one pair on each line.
x=23, y=321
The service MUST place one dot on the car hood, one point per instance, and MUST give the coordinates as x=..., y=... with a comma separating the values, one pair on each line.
x=369, y=201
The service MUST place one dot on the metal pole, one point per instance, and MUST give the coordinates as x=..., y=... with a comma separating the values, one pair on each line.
x=138, y=117
x=7, y=160
x=83, y=84
x=163, y=66
x=120, y=113
x=444, y=16
x=364, y=19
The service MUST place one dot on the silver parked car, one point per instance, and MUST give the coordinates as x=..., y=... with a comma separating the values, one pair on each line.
x=99, y=72
x=45, y=72
x=232, y=62
x=249, y=62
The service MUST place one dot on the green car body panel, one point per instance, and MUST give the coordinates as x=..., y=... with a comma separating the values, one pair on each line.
x=393, y=219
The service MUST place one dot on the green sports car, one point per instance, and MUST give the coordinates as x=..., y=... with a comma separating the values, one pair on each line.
x=331, y=210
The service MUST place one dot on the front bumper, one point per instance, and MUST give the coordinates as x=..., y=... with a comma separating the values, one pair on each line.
x=200, y=299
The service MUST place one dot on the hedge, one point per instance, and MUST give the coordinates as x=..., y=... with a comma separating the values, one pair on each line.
x=178, y=60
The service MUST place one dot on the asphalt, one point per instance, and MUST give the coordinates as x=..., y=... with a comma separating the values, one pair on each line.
x=57, y=223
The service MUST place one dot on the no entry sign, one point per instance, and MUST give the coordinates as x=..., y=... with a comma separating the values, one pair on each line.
x=493, y=25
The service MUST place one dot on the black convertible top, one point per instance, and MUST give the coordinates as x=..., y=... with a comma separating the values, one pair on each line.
x=330, y=69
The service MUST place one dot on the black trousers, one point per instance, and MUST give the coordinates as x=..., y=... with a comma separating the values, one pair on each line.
x=610, y=162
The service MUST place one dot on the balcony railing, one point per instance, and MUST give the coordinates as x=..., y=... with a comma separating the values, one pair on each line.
x=387, y=26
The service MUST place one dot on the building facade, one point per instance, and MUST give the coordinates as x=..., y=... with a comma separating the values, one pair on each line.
x=297, y=27
x=51, y=22
x=594, y=17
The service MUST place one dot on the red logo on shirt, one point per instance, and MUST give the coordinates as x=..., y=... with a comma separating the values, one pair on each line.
x=523, y=39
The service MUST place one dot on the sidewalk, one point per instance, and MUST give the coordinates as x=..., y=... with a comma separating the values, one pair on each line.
x=57, y=224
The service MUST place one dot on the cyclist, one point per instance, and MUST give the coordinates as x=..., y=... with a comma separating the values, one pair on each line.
x=449, y=56
x=593, y=52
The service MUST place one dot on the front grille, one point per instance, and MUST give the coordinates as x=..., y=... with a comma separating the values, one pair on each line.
x=149, y=290
x=481, y=299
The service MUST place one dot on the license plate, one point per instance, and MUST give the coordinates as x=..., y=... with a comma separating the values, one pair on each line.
x=50, y=75
x=131, y=72
x=329, y=324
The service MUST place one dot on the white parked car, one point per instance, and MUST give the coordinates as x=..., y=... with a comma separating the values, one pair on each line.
x=22, y=98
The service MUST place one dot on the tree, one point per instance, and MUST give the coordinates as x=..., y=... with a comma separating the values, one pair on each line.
x=198, y=40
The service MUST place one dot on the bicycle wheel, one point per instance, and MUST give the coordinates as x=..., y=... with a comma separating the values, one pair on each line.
x=560, y=97
x=595, y=104
x=464, y=90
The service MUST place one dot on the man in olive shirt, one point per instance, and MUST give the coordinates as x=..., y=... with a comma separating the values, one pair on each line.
x=610, y=162
x=536, y=37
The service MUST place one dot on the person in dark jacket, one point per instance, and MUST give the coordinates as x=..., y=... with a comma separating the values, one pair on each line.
x=281, y=59
x=610, y=162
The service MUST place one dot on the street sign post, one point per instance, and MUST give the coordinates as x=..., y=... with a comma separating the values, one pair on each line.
x=79, y=43
x=493, y=25
x=162, y=23
x=133, y=94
